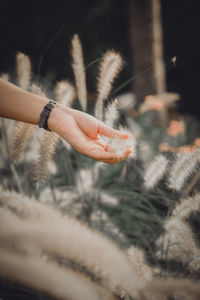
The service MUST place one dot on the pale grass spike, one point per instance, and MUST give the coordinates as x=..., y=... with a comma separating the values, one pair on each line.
x=110, y=66
x=184, y=167
x=58, y=235
x=179, y=243
x=155, y=171
x=186, y=206
x=23, y=131
x=23, y=66
x=119, y=146
x=65, y=92
x=49, y=142
x=79, y=71
x=111, y=113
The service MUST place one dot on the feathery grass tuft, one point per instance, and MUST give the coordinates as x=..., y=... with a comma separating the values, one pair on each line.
x=119, y=146
x=5, y=76
x=23, y=65
x=186, y=206
x=60, y=236
x=79, y=71
x=111, y=113
x=64, y=92
x=23, y=131
x=21, y=138
x=179, y=243
x=137, y=259
x=110, y=66
x=184, y=167
x=47, y=149
x=35, y=89
x=181, y=289
x=47, y=276
x=155, y=171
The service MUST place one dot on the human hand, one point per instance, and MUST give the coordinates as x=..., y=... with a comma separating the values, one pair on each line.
x=82, y=131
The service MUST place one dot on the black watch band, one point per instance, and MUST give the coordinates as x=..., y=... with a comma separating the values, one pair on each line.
x=45, y=114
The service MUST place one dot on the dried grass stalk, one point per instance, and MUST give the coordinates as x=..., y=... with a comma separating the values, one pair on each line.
x=119, y=146
x=22, y=136
x=182, y=289
x=47, y=149
x=179, y=243
x=35, y=89
x=155, y=171
x=79, y=71
x=138, y=261
x=66, y=238
x=184, y=166
x=111, y=113
x=5, y=76
x=23, y=68
x=65, y=92
x=47, y=276
x=23, y=131
x=110, y=66
x=186, y=206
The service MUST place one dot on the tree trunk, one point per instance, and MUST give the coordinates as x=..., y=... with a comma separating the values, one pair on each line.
x=147, y=48
x=158, y=61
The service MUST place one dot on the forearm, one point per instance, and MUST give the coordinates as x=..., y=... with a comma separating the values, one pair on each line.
x=20, y=105
x=79, y=129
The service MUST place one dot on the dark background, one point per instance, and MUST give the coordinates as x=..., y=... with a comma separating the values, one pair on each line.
x=43, y=30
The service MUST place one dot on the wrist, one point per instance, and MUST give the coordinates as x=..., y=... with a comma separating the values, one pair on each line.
x=56, y=116
x=44, y=116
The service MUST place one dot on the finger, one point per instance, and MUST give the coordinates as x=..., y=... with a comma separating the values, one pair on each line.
x=117, y=159
x=110, y=132
x=109, y=157
x=101, y=143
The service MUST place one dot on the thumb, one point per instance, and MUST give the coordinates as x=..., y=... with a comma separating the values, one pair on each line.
x=110, y=132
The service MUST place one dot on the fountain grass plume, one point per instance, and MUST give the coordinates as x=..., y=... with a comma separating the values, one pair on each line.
x=111, y=113
x=36, y=89
x=64, y=92
x=184, y=167
x=179, y=243
x=119, y=146
x=23, y=68
x=110, y=66
x=23, y=131
x=181, y=289
x=49, y=142
x=5, y=76
x=47, y=149
x=138, y=261
x=79, y=71
x=186, y=206
x=61, y=236
x=22, y=136
x=47, y=276
x=155, y=171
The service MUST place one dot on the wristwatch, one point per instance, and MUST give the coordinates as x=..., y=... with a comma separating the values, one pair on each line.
x=45, y=114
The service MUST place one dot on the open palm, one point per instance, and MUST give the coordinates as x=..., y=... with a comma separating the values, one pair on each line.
x=82, y=132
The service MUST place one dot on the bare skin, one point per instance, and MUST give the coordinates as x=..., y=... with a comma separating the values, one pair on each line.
x=77, y=128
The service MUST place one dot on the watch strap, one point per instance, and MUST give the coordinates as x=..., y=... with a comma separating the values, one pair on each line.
x=45, y=114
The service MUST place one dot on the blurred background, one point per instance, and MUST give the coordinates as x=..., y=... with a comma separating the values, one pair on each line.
x=43, y=30
x=131, y=201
